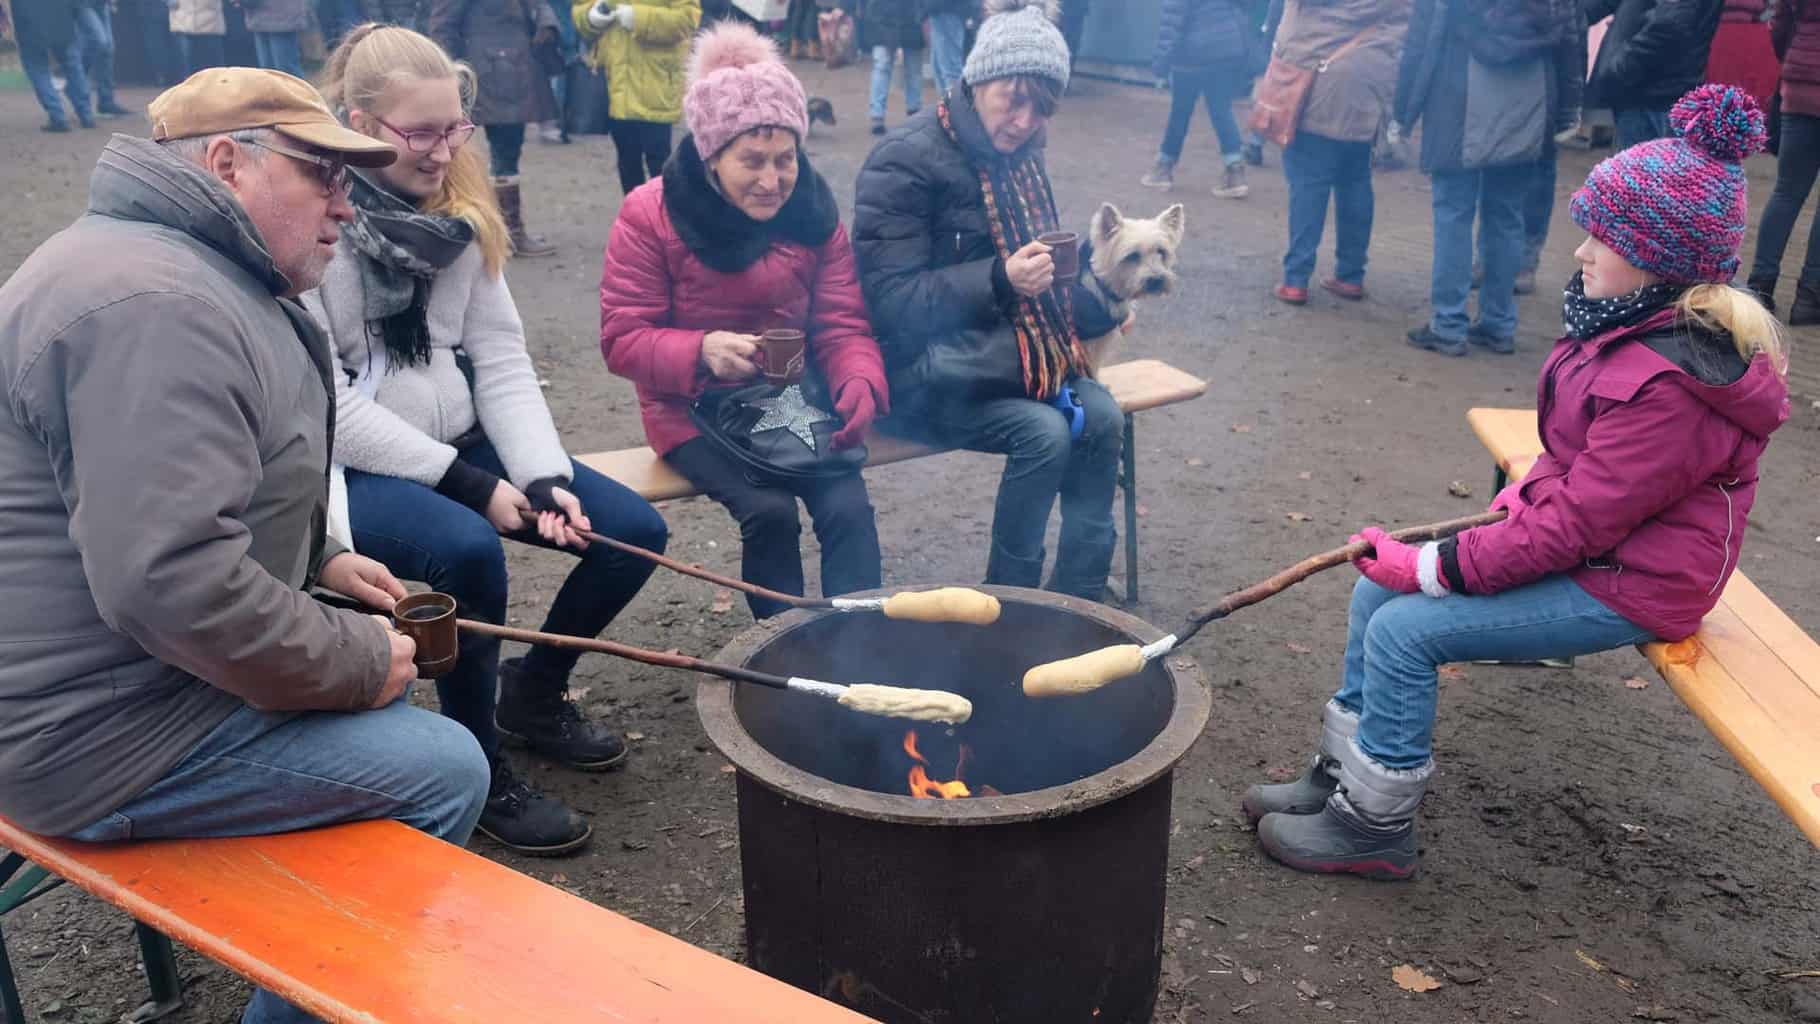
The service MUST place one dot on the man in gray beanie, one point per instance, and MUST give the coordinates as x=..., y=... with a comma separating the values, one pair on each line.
x=982, y=339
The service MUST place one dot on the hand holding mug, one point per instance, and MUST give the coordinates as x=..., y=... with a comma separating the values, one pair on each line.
x=1031, y=270
x=730, y=356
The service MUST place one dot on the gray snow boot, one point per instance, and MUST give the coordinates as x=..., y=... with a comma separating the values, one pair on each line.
x=1308, y=794
x=1367, y=827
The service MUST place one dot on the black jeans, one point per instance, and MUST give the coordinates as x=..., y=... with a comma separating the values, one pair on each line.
x=505, y=144
x=1796, y=167
x=770, y=529
x=1042, y=462
x=642, y=147
x=1217, y=86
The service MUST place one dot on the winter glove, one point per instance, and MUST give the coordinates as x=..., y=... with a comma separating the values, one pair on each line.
x=1397, y=566
x=541, y=493
x=600, y=16
x=858, y=407
x=623, y=14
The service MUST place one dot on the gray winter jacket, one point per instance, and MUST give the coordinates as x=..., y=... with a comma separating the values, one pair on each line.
x=1354, y=45
x=276, y=15
x=163, y=459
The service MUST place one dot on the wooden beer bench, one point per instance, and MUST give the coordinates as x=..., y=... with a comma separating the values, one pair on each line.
x=1137, y=385
x=1750, y=673
x=377, y=923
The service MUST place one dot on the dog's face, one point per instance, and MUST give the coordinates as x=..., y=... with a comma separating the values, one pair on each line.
x=1136, y=257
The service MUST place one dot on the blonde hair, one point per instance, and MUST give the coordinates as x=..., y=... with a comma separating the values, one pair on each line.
x=370, y=60
x=1753, y=329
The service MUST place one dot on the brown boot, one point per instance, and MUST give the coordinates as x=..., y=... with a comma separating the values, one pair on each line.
x=523, y=243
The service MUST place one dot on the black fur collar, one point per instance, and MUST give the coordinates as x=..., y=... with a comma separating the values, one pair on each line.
x=724, y=238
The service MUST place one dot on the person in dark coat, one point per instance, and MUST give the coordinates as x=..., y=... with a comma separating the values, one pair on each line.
x=885, y=27
x=1491, y=87
x=43, y=28
x=1201, y=49
x=1796, y=34
x=408, y=13
x=495, y=37
x=277, y=26
x=982, y=343
x=1654, y=51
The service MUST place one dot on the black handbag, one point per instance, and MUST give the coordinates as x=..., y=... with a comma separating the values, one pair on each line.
x=585, y=110
x=781, y=433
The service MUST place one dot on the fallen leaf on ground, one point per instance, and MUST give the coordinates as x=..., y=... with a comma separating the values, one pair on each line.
x=1589, y=961
x=1307, y=989
x=1250, y=976
x=727, y=769
x=1459, y=490
x=1241, y=428
x=1304, y=476
x=1451, y=672
x=1635, y=682
x=1300, y=648
x=723, y=602
x=1143, y=511
x=1196, y=462
x=1298, y=517
x=1410, y=978
x=635, y=736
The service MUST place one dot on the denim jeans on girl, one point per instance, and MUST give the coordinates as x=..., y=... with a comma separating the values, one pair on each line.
x=35, y=58
x=1494, y=197
x=421, y=535
x=1395, y=642
x=1796, y=167
x=1315, y=167
x=95, y=28
x=948, y=48
x=1218, y=86
x=883, y=59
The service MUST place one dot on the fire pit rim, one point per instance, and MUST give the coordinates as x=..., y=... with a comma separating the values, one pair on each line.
x=1187, y=719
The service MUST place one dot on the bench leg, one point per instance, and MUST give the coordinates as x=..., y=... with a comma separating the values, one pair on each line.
x=160, y=975
x=1128, y=479
x=10, y=1010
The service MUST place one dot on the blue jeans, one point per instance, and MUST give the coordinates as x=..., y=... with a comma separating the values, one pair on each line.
x=884, y=58
x=1495, y=197
x=262, y=772
x=35, y=56
x=1797, y=165
x=948, y=46
x=1630, y=127
x=1042, y=463
x=1186, y=88
x=1538, y=209
x=1395, y=642
x=279, y=51
x=421, y=535
x=1316, y=166
x=95, y=28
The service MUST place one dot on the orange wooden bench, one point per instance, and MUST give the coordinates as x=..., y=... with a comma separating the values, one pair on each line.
x=1137, y=385
x=1750, y=673
x=377, y=923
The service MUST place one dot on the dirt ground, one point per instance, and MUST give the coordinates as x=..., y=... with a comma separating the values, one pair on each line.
x=1591, y=852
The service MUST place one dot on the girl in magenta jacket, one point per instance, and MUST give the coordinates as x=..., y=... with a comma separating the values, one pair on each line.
x=1654, y=410
x=740, y=236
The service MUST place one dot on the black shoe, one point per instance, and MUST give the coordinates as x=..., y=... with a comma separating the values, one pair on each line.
x=1424, y=337
x=1764, y=288
x=1805, y=309
x=1254, y=154
x=518, y=816
x=1477, y=335
x=539, y=714
x=878, y=126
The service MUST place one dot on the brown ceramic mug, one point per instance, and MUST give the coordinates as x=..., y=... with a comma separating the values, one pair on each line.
x=783, y=355
x=1065, y=250
x=429, y=619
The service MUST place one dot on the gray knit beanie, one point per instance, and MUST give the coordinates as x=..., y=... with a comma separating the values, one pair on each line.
x=1018, y=37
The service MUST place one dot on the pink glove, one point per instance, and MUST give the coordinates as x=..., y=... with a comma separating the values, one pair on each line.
x=1397, y=566
x=858, y=407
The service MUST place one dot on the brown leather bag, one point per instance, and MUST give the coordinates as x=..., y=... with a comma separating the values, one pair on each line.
x=1280, y=95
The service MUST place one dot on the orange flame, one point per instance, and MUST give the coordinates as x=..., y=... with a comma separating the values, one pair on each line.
x=924, y=788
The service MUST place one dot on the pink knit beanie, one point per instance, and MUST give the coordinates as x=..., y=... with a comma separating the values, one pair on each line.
x=737, y=82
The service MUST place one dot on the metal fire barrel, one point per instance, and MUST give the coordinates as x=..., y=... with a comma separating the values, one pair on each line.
x=1043, y=905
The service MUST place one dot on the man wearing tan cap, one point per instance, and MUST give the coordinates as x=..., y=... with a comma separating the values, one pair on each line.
x=164, y=447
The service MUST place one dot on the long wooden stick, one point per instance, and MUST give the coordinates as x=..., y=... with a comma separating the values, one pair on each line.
x=794, y=600
x=1326, y=560
x=619, y=650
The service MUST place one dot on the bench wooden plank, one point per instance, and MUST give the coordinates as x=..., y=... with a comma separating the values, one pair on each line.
x=1750, y=673
x=1137, y=385
x=377, y=922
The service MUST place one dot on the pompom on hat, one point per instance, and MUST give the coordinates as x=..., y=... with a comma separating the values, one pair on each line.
x=1018, y=37
x=1676, y=207
x=738, y=82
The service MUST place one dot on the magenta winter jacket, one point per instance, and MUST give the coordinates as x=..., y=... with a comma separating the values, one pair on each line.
x=1645, y=482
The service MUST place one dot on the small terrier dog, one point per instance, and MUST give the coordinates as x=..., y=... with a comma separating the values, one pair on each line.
x=1125, y=258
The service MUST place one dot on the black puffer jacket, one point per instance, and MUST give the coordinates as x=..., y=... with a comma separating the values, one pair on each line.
x=1200, y=34
x=1653, y=53
x=934, y=283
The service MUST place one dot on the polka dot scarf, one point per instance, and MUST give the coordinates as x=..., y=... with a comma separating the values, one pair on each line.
x=1589, y=318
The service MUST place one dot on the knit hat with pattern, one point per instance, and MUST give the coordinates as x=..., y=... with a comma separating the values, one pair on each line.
x=1676, y=207
x=1018, y=37
x=737, y=82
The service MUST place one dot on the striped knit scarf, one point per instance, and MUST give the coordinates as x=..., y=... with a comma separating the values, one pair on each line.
x=1019, y=207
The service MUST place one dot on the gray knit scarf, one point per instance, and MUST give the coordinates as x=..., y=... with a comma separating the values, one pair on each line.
x=401, y=249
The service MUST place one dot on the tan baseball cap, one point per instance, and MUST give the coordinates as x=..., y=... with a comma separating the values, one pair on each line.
x=219, y=100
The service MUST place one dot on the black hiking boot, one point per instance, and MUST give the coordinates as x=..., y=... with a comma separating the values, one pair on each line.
x=520, y=817
x=1806, y=307
x=1764, y=288
x=538, y=714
